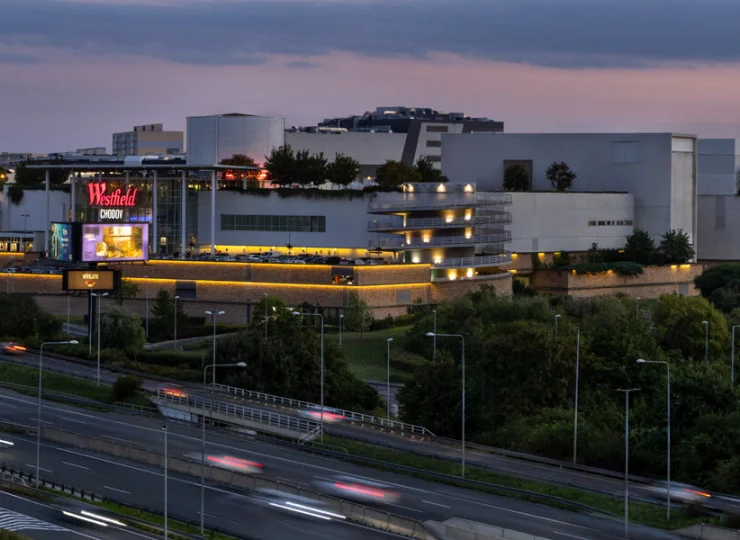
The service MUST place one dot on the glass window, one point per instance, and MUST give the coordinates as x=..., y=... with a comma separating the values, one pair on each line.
x=244, y=222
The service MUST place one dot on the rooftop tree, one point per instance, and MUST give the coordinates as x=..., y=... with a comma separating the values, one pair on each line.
x=343, y=170
x=516, y=178
x=560, y=176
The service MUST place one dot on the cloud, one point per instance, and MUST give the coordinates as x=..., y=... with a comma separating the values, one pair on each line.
x=559, y=33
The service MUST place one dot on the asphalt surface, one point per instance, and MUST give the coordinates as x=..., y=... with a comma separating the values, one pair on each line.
x=420, y=500
x=42, y=522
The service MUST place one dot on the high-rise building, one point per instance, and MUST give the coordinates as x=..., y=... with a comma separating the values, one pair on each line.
x=147, y=139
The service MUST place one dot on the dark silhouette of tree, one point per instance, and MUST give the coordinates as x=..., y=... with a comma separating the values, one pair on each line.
x=425, y=167
x=281, y=166
x=392, y=174
x=675, y=247
x=310, y=169
x=516, y=178
x=560, y=176
x=343, y=170
x=640, y=248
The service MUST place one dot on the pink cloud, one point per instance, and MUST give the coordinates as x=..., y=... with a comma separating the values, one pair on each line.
x=79, y=101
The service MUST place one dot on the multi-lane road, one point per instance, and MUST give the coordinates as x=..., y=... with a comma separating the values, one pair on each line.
x=132, y=482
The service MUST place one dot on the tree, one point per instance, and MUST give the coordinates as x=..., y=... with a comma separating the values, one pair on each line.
x=516, y=178
x=639, y=248
x=310, y=169
x=128, y=289
x=358, y=316
x=675, y=247
x=560, y=176
x=30, y=177
x=23, y=318
x=121, y=329
x=428, y=172
x=392, y=174
x=281, y=166
x=163, y=315
x=126, y=387
x=718, y=277
x=241, y=160
x=343, y=170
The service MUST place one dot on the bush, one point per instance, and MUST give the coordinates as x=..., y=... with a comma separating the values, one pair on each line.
x=125, y=387
x=520, y=289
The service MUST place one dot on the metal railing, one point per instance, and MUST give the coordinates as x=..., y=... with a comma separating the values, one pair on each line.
x=446, y=240
x=483, y=260
x=438, y=223
x=199, y=405
x=298, y=404
x=442, y=201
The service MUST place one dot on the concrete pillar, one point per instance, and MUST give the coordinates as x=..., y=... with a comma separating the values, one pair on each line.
x=72, y=197
x=183, y=213
x=155, y=195
x=214, y=187
x=47, y=223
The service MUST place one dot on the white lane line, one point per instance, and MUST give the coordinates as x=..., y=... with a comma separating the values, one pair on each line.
x=291, y=481
x=570, y=535
x=118, y=490
x=436, y=504
x=34, y=468
x=221, y=518
x=73, y=420
x=407, y=508
x=10, y=406
x=35, y=419
x=75, y=465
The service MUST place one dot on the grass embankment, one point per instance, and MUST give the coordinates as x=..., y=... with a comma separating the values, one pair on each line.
x=28, y=376
x=647, y=514
x=367, y=354
x=8, y=535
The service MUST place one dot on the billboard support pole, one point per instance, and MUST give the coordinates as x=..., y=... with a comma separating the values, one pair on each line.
x=72, y=197
x=214, y=186
x=183, y=212
x=155, y=193
x=47, y=220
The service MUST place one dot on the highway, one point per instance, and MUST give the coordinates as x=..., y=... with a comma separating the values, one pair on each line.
x=421, y=500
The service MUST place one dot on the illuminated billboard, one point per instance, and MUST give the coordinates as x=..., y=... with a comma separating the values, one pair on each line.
x=63, y=242
x=115, y=242
x=91, y=280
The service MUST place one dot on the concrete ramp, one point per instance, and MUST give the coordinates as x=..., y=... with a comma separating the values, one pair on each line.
x=708, y=532
x=463, y=529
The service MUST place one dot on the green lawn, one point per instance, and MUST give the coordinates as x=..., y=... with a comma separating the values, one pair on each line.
x=367, y=354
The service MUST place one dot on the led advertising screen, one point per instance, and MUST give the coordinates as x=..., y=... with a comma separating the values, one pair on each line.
x=91, y=280
x=115, y=242
x=62, y=242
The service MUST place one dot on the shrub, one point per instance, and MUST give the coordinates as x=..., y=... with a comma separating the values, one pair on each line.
x=125, y=387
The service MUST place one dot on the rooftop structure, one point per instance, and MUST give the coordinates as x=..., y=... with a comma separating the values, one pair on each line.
x=147, y=139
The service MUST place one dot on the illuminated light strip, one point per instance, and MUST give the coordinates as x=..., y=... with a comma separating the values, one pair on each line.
x=7, y=442
x=103, y=518
x=262, y=264
x=277, y=284
x=83, y=518
x=338, y=516
x=300, y=511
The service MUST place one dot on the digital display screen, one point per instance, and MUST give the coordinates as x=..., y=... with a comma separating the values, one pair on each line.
x=115, y=242
x=61, y=244
x=89, y=280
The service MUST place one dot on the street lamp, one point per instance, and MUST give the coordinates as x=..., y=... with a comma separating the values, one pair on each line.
x=388, y=384
x=214, y=314
x=266, y=302
x=434, y=329
x=147, y=308
x=164, y=429
x=706, y=340
x=668, y=451
x=627, y=457
x=341, y=323
x=462, y=363
x=575, y=414
x=203, y=438
x=320, y=316
x=175, y=304
x=38, y=412
x=637, y=307
x=732, y=360
x=557, y=318
x=100, y=301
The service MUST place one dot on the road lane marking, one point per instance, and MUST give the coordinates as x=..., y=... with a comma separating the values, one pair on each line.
x=570, y=535
x=35, y=419
x=407, y=508
x=221, y=518
x=436, y=504
x=10, y=406
x=73, y=420
x=119, y=490
x=34, y=468
x=75, y=465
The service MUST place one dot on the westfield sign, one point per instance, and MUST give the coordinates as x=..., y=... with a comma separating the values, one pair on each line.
x=98, y=196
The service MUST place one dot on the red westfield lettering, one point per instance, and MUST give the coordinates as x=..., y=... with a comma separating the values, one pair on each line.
x=98, y=196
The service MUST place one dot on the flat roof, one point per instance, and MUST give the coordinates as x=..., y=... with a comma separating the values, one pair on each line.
x=141, y=167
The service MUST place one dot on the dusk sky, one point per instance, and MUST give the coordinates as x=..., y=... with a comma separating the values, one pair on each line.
x=74, y=72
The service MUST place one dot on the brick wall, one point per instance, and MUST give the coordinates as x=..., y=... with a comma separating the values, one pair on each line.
x=448, y=290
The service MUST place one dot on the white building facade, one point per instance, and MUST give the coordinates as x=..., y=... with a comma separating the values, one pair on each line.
x=658, y=169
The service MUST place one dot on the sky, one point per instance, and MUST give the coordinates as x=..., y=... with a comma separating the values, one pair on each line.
x=72, y=72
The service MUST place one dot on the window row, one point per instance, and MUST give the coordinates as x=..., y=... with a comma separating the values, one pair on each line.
x=620, y=223
x=241, y=222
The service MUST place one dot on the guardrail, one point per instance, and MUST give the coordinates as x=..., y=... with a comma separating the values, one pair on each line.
x=298, y=404
x=210, y=407
x=473, y=261
x=442, y=201
x=414, y=223
x=401, y=242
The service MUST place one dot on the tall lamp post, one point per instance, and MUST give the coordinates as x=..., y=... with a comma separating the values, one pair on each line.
x=668, y=449
x=341, y=323
x=434, y=329
x=732, y=359
x=213, y=315
x=147, y=308
x=557, y=318
x=627, y=457
x=266, y=303
x=100, y=301
x=164, y=429
x=706, y=340
x=637, y=307
x=175, y=315
x=203, y=437
x=38, y=412
x=388, y=383
x=462, y=363
x=575, y=412
x=320, y=316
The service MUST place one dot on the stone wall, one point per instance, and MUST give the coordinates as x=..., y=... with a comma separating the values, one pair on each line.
x=447, y=290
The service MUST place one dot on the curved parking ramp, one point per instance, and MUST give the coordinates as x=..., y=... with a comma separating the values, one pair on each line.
x=463, y=529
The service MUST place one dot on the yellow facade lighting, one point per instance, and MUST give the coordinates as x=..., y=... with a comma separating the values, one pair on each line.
x=441, y=188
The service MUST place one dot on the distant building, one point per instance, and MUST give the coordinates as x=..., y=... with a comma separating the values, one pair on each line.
x=95, y=151
x=147, y=139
